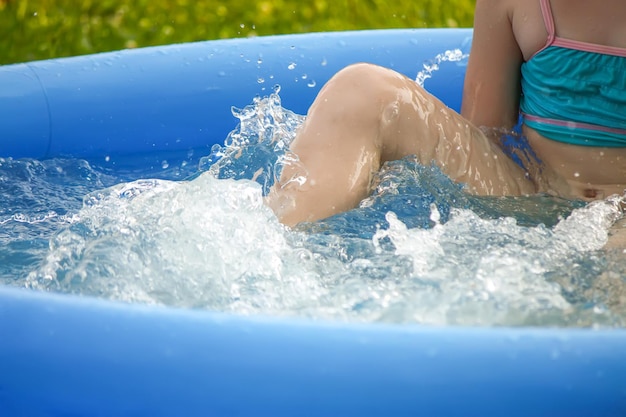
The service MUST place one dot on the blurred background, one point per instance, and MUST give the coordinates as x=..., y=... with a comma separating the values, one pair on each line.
x=41, y=29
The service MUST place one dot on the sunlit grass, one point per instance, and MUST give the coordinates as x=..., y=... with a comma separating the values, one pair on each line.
x=40, y=29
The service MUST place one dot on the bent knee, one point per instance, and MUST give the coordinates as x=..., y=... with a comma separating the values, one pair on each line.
x=365, y=85
x=369, y=81
x=362, y=70
x=364, y=75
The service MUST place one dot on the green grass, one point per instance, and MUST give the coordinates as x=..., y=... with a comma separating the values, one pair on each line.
x=40, y=29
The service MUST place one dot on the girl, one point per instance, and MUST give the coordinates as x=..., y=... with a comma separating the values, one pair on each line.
x=560, y=63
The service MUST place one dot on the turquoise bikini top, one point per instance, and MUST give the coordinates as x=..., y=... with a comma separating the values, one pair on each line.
x=575, y=92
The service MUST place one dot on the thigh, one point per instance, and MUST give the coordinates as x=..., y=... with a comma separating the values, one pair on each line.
x=366, y=115
x=427, y=128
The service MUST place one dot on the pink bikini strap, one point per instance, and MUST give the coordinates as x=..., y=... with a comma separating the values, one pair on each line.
x=548, y=20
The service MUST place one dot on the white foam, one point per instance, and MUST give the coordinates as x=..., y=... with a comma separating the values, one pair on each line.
x=213, y=244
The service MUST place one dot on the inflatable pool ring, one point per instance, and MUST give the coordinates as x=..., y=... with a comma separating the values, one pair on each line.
x=74, y=356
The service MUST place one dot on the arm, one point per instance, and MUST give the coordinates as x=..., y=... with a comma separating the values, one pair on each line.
x=492, y=82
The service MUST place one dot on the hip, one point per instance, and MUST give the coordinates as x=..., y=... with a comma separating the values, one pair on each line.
x=578, y=171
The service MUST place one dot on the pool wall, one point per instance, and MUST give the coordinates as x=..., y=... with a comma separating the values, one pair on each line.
x=63, y=355
x=179, y=97
x=70, y=356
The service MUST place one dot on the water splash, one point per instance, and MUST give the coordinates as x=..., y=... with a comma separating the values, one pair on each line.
x=258, y=148
x=418, y=250
x=213, y=244
x=431, y=66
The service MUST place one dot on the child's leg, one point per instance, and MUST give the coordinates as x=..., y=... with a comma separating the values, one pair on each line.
x=366, y=115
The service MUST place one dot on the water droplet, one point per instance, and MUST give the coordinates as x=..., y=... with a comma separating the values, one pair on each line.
x=597, y=309
x=311, y=84
x=435, y=216
x=324, y=62
x=107, y=158
x=292, y=66
x=260, y=80
x=165, y=164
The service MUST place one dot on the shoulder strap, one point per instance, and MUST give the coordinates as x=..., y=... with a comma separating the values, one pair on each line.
x=548, y=20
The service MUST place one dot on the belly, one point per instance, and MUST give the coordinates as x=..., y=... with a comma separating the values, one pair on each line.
x=580, y=171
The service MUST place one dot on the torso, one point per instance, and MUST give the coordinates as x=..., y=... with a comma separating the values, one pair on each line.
x=580, y=20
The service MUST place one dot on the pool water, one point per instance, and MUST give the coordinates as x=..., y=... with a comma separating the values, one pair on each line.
x=196, y=234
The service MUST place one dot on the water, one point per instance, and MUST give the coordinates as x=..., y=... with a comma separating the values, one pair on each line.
x=418, y=250
x=433, y=65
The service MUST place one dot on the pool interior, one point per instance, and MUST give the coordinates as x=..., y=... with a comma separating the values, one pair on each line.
x=192, y=231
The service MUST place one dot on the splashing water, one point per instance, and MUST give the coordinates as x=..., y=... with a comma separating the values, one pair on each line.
x=417, y=250
x=258, y=148
x=429, y=67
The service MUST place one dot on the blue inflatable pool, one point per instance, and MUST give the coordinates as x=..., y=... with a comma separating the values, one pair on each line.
x=63, y=355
